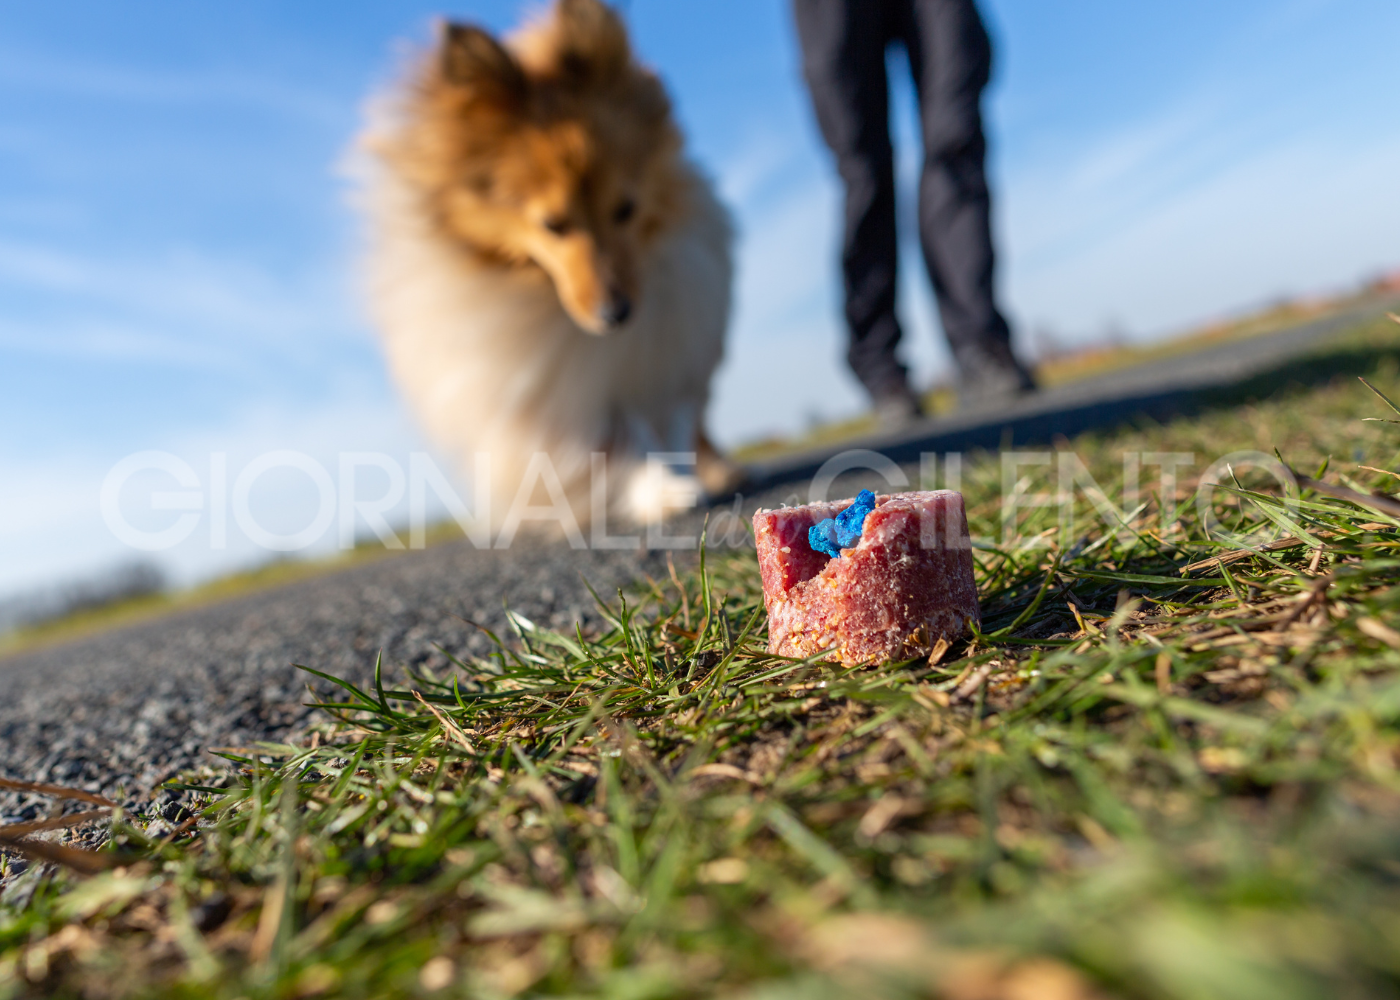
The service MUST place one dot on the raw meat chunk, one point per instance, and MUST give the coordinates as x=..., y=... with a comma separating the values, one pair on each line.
x=906, y=583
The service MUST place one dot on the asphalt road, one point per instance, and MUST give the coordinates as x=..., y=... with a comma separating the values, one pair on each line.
x=121, y=711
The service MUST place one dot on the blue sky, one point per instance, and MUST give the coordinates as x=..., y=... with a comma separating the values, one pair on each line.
x=177, y=255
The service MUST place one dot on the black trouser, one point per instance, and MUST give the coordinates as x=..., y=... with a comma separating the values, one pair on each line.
x=843, y=47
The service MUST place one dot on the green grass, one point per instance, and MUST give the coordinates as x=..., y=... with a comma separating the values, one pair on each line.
x=1165, y=768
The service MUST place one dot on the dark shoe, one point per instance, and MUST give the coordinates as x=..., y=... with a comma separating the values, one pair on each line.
x=988, y=380
x=897, y=410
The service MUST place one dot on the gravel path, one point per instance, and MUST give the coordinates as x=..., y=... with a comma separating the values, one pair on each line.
x=122, y=711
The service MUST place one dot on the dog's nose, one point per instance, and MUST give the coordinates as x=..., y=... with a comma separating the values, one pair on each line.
x=616, y=310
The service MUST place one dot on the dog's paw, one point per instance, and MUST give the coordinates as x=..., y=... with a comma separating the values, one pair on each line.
x=654, y=489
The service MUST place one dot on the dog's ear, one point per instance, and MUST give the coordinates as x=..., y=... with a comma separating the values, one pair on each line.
x=471, y=59
x=591, y=42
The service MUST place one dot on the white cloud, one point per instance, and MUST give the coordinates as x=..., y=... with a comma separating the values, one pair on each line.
x=26, y=68
x=182, y=308
x=51, y=524
x=1290, y=217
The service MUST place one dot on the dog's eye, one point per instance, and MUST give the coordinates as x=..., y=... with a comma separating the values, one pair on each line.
x=558, y=225
x=624, y=211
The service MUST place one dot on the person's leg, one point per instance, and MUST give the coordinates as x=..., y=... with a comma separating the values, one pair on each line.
x=843, y=60
x=950, y=57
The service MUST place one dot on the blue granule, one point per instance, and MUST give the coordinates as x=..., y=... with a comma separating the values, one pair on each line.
x=843, y=530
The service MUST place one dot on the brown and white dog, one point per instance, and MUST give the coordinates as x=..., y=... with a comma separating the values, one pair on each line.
x=549, y=273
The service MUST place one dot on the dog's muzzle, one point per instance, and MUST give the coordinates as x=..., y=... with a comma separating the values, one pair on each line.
x=615, y=310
